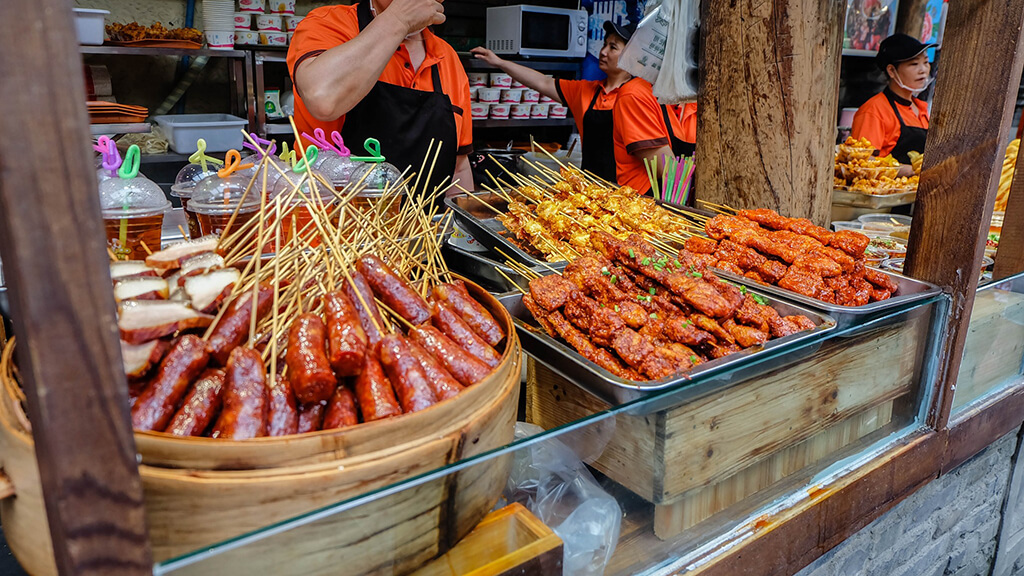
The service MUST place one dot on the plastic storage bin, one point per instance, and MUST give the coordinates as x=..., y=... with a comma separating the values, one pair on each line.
x=221, y=131
x=89, y=25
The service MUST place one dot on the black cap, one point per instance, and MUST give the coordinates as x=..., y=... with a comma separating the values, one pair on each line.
x=898, y=48
x=625, y=31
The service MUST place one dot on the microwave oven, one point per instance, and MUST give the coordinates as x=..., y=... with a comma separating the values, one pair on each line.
x=528, y=30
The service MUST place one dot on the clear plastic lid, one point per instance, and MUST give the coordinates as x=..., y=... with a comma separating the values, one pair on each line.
x=283, y=186
x=104, y=174
x=338, y=170
x=187, y=178
x=131, y=198
x=216, y=195
x=323, y=156
x=272, y=173
x=378, y=178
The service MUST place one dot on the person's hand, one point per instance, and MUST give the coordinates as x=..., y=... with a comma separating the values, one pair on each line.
x=416, y=15
x=906, y=171
x=487, y=56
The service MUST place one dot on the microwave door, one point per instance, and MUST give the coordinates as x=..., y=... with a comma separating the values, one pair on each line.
x=545, y=34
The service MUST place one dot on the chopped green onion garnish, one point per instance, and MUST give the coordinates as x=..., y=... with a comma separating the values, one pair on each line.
x=676, y=262
x=743, y=290
x=631, y=254
x=687, y=324
x=653, y=291
x=659, y=267
x=605, y=271
x=693, y=359
x=614, y=279
x=654, y=315
x=760, y=299
x=616, y=307
x=645, y=261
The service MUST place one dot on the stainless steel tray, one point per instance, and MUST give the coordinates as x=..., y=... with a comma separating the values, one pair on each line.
x=908, y=290
x=489, y=232
x=861, y=200
x=707, y=377
x=480, y=267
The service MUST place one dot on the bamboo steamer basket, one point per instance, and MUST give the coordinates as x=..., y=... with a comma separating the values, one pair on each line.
x=166, y=450
x=189, y=507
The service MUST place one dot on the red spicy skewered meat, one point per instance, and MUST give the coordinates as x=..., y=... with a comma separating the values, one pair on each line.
x=551, y=291
x=465, y=367
x=341, y=409
x=579, y=341
x=244, y=412
x=456, y=296
x=374, y=393
x=309, y=370
x=393, y=290
x=311, y=418
x=200, y=405
x=452, y=325
x=851, y=242
x=183, y=363
x=361, y=295
x=406, y=374
x=282, y=414
x=233, y=327
x=347, y=341
x=441, y=382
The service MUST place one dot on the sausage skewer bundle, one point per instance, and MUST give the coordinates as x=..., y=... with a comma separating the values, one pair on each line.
x=300, y=341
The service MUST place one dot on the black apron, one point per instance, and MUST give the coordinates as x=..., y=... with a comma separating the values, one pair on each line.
x=679, y=147
x=404, y=120
x=911, y=138
x=599, y=149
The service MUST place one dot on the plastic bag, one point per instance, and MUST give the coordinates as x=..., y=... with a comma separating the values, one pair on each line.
x=643, y=54
x=678, y=82
x=551, y=481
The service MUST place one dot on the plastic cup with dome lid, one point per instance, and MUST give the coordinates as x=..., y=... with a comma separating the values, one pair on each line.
x=133, y=209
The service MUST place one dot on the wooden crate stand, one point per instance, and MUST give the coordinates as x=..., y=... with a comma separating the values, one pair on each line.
x=698, y=458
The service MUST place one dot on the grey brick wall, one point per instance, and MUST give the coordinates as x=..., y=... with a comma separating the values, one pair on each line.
x=949, y=527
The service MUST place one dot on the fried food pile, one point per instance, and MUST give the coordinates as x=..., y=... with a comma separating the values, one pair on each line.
x=857, y=169
x=134, y=31
x=1006, y=176
x=555, y=226
x=791, y=253
x=642, y=316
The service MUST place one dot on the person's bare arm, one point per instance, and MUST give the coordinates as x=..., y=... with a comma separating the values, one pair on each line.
x=463, y=175
x=520, y=73
x=662, y=153
x=332, y=83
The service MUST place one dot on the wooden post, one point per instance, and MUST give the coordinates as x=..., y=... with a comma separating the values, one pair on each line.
x=52, y=244
x=1010, y=257
x=974, y=99
x=768, y=104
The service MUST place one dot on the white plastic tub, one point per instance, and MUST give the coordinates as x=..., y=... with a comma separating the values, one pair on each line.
x=89, y=25
x=222, y=132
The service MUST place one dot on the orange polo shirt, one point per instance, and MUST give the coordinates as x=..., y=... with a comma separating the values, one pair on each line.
x=577, y=94
x=640, y=125
x=876, y=121
x=330, y=26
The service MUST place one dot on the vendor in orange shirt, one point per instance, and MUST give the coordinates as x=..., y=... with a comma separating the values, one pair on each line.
x=647, y=130
x=374, y=70
x=589, y=101
x=894, y=121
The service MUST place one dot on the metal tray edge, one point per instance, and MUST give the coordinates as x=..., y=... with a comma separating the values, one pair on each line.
x=928, y=291
x=486, y=236
x=531, y=337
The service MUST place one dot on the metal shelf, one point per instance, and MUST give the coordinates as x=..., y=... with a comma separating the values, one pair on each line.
x=137, y=51
x=471, y=63
x=120, y=128
x=532, y=123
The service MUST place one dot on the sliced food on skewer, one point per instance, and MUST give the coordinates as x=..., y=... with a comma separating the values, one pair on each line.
x=174, y=255
x=142, y=321
x=122, y=269
x=206, y=291
x=139, y=359
x=141, y=288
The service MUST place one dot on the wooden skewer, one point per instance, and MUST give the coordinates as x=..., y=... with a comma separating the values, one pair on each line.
x=113, y=257
x=146, y=248
x=511, y=281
